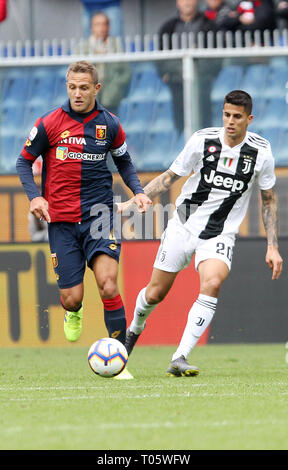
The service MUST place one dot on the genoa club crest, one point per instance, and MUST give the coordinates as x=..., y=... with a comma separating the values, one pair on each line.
x=54, y=260
x=101, y=132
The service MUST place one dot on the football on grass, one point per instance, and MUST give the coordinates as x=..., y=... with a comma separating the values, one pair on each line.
x=107, y=357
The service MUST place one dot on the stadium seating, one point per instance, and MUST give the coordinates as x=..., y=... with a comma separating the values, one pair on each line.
x=43, y=85
x=137, y=114
x=272, y=134
x=277, y=82
x=159, y=146
x=229, y=78
x=280, y=152
x=12, y=114
x=7, y=149
x=268, y=85
x=31, y=112
x=146, y=112
x=163, y=115
x=255, y=79
x=135, y=143
x=60, y=95
x=16, y=86
x=273, y=114
x=145, y=82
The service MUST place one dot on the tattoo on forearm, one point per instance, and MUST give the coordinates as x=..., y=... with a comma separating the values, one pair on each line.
x=161, y=183
x=270, y=216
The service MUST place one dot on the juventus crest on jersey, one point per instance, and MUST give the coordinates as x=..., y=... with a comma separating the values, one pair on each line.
x=215, y=197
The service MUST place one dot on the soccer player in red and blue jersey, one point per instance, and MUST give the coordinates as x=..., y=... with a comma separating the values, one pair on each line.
x=77, y=196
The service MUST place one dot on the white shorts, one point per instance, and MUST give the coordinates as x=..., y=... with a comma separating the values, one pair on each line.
x=178, y=246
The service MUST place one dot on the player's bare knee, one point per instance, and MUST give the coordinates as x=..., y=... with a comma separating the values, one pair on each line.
x=211, y=286
x=154, y=295
x=108, y=288
x=72, y=304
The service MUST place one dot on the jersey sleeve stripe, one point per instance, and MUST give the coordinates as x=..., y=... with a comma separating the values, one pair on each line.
x=28, y=155
x=120, y=138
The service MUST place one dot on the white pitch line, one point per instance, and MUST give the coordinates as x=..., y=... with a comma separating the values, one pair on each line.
x=132, y=386
x=153, y=425
x=117, y=395
x=92, y=387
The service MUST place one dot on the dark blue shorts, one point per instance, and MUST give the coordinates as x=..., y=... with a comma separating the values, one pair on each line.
x=74, y=244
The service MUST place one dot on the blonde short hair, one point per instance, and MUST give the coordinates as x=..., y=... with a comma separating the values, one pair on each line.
x=83, y=66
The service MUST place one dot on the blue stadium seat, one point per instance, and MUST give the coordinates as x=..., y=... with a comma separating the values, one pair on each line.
x=178, y=145
x=12, y=115
x=60, y=86
x=11, y=122
x=43, y=85
x=281, y=152
x=135, y=143
x=255, y=79
x=274, y=113
x=164, y=93
x=277, y=83
x=13, y=72
x=145, y=83
x=122, y=112
x=60, y=98
x=278, y=62
x=138, y=115
x=7, y=150
x=216, y=113
x=258, y=110
x=229, y=78
x=163, y=116
x=15, y=87
x=31, y=113
x=158, y=150
x=272, y=134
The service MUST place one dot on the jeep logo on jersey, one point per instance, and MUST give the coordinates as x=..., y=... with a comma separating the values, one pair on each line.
x=101, y=132
x=221, y=181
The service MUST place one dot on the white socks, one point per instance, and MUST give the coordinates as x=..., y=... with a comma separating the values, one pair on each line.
x=199, y=318
x=141, y=313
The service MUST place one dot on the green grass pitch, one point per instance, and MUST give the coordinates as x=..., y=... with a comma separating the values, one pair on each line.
x=50, y=399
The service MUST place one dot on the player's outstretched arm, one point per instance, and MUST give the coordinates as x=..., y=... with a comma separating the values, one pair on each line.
x=270, y=220
x=142, y=201
x=161, y=183
x=158, y=185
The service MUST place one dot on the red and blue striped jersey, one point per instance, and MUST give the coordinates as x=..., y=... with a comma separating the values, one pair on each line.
x=74, y=149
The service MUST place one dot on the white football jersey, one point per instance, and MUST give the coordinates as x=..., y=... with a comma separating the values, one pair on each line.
x=215, y=198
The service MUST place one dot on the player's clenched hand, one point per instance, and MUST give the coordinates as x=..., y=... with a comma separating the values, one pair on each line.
x=39, y=207
x=274, y=261
x=122, y=207
x=142, y=201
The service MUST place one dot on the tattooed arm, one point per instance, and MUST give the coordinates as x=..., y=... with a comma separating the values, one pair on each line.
x=270, y=220
x=161, y=183
x=158, y=185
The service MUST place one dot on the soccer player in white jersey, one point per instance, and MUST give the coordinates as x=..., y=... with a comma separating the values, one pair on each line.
x=223, y=165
